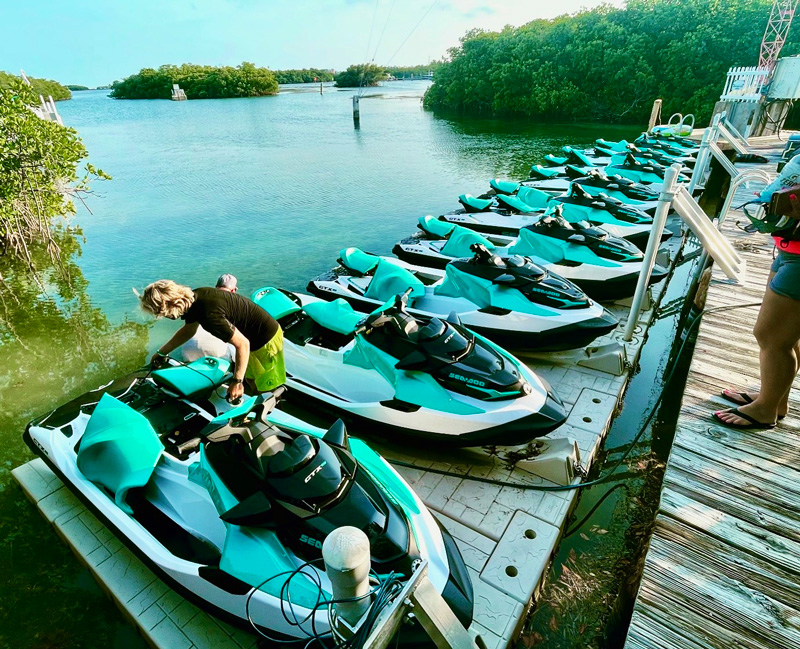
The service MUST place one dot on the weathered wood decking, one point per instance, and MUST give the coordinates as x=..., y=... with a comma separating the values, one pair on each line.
x=723, y=566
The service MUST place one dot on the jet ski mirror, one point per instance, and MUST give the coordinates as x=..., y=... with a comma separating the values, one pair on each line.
x=576, y=238
x=251, y=512
x=504, y=279
x=337, y=435
x=453, y=318
x=414, y=361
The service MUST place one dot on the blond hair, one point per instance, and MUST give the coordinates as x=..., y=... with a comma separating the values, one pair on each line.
x=164, y=298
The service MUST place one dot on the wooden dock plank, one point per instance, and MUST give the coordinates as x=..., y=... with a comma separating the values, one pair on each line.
x=723, y=565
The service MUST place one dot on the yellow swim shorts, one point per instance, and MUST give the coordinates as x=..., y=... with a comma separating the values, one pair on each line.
x=266, y=367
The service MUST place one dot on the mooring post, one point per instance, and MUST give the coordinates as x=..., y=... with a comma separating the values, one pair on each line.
x=655, y=114
x=659, y=221
x=320, y=87
x=347, y=561
x=356, y=110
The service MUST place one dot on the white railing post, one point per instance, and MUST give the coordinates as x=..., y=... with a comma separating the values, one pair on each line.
x=700, y=165
x=653, y=243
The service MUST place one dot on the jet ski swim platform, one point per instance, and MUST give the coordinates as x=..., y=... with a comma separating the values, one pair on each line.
x=505, y=534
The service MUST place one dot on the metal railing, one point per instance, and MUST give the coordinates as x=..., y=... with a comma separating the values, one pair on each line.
x=744, y=84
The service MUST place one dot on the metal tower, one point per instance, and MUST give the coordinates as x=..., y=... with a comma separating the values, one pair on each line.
x=780, y=19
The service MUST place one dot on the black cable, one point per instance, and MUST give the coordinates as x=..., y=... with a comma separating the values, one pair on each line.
x=632, y=445
x=577, y=526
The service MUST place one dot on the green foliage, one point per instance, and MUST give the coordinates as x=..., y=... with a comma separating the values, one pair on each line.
x=199, y=82
x=362, y=74
x=38, y=173
x=309, y=75
x=605, y=64
x=408, y=71
x=75, y=88
x=44, y=87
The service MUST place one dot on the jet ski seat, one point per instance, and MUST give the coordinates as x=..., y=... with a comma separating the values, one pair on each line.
x=514, y=203
x=435, y=227
x=503, y=186
x=119, y=449
x=337, y=315
x=538, y=171
x=431, y=330
x=357, y=260
x=192, y=380
x=473, y=205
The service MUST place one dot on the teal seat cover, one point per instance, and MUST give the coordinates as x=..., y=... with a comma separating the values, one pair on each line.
x=542, y=172
x=337, y=315
x=479, y=204
x=203, y=374
x=358, y=260
x=620, y=146
x=119, y=449
x=579, y=156
x=554, y=161
x=503, y=186
x=514, y=203
x=611, y=193
x=460, y=240
x=390, y=279
x=275, y=302
x=534, y=197
x=435, y=227
x=632, y=174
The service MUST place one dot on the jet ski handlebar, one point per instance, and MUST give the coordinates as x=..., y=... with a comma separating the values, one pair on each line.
x=385, y=316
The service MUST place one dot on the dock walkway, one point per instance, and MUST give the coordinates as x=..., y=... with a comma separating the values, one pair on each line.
x=723, y=566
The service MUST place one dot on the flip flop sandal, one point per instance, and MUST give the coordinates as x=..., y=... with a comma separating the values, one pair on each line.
x=753, y=425
x=745, y=399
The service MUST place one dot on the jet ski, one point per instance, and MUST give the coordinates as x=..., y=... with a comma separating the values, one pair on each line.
x=511, y=301
x=224, y=503
x=603, y=155
x=627, y=166
x=605, y=267
x=646, y=142
x=506, y=214
x=409, y=375
x=595, y=182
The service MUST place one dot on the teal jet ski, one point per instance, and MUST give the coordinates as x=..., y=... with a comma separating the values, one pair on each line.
x=605, y=267
x=225, y=502
x=509, y=300
x=627, y=166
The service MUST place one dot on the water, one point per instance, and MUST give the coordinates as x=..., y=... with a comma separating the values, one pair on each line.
x=269, y=189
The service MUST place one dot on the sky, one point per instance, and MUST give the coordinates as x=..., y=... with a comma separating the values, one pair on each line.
x=94, y=42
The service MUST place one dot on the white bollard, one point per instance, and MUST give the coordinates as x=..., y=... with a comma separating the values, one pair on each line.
x=347, y=563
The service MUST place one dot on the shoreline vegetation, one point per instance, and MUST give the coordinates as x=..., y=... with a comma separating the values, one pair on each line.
x=604, y=64
x=198, y=81
x=44, y=87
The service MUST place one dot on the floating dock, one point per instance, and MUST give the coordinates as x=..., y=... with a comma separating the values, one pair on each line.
x=723, y=565
x=507, y=535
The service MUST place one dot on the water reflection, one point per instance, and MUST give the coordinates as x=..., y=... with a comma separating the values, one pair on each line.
x=53, y=347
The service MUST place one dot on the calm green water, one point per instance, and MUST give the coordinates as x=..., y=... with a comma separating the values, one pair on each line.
x=269, y=189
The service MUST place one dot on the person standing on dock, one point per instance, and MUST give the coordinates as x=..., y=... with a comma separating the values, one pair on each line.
x=255, y=334
x=777, y=332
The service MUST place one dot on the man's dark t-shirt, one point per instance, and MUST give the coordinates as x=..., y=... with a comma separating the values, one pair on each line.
x=218, y=312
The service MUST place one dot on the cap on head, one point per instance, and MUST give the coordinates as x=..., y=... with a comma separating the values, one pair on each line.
x=226, y=280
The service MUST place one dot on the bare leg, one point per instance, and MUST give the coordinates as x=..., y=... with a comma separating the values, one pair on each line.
x=777, y=331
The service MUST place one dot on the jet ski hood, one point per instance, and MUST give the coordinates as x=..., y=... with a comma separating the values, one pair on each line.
x=615, y=182
x=514, y=283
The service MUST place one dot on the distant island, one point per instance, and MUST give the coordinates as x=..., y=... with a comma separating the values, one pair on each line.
x=306, y=75
x=198, y=81
x=44, y=87
x=360, y=75
x=75, y=88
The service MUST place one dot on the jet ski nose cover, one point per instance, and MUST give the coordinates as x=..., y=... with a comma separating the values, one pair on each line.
x=119, y=449
x=390, y=279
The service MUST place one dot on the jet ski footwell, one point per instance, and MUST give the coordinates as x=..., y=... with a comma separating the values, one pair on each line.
x=492, y=526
